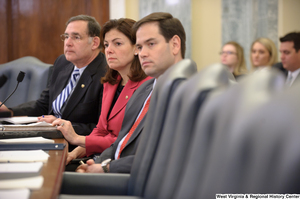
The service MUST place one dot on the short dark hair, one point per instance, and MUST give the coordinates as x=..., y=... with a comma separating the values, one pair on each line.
x=124, y=25
x=93, y=26
x=168, y=27
x=294, y=37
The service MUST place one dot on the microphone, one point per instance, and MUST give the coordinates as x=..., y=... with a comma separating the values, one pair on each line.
x=19, y=79
x=3, y=80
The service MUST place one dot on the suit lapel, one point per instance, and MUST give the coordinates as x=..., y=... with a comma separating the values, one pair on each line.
x=132, y=112
x=126, y=94
x=81, y=88
x=63, y=78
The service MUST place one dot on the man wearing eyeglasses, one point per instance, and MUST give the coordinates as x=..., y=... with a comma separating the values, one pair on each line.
x=74, y=92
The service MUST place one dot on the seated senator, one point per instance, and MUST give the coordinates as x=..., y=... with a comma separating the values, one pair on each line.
x=123, y=77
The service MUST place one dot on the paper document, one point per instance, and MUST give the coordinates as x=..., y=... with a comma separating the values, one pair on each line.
x=19, y=120
x=32, y=183
x=32, y=167
x=24, y=156
x=38, y=126
x=15, y=193
x=19, y=170
x=29, y=140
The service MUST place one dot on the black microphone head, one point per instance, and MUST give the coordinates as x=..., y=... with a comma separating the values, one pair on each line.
x=3, y=80
x=20, y=76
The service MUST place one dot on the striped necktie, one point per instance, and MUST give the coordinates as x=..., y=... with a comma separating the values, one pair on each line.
x=136, y=123
x=61, y=98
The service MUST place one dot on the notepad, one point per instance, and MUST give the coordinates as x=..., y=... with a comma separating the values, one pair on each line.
x=19, y=120
x=33, y=140
x=24, y=156
x=38, y=126
x=15, y=193
x=32, y=183
x=19, y=170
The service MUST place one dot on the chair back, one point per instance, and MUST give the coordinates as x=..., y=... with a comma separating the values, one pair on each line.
x=178, y=129
x=165, y=86
x=216, y=130
x=35, y=80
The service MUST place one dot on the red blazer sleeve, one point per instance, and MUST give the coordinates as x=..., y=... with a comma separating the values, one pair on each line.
x=108, y=128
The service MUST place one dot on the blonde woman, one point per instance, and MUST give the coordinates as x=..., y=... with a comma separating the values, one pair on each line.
x=263, y=53
x=232, y=55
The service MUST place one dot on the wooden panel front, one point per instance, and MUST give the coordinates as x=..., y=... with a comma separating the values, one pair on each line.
x=32, y=27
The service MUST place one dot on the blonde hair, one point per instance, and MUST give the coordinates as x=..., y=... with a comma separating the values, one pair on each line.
x=241, y=68
x=271, y=48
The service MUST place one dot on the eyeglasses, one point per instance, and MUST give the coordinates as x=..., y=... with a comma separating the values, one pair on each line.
x=74, y=37
x=227, y=53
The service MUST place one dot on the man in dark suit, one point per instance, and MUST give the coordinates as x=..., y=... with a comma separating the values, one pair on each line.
x=82, y=104
x=290, y=56
x=160, y=41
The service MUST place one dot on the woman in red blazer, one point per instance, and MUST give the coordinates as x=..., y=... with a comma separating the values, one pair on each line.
x=123, y=77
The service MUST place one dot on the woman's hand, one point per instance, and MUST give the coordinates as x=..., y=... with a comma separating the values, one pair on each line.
x=78, y=152
x=69, y=133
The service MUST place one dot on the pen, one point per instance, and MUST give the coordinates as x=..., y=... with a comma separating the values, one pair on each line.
x=81, y=162
x=43, y=116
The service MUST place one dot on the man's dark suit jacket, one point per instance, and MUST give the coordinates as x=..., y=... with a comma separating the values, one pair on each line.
x=134, y=105
x=84, y=105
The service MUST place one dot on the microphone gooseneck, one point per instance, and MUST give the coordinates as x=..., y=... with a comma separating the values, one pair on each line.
x=19, y=79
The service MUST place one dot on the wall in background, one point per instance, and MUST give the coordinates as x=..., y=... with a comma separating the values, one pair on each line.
x=33, y=27
x=206, y=24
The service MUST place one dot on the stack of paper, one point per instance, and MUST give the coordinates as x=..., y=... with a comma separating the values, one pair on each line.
x=19, y=120
x=28, y=140
x=25, y=176
x=19, y=170
x=37, y=126
x=15, y=193
x=24, y=156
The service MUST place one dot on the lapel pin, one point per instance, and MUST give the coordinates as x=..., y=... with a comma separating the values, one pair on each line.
x=126, y=97
x=82, y=85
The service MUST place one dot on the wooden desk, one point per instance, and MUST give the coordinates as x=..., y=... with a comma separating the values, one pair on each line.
x=52, y=172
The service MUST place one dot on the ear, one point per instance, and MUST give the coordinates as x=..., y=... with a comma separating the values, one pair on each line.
x=176, y=45
x=96, y=43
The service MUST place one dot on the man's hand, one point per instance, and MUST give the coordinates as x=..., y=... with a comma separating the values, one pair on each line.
x=3, y=108
x=47, y=118
x=67, y=130
x=90, y=167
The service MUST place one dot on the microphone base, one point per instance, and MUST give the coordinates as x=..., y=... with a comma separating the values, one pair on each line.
x=5, y=114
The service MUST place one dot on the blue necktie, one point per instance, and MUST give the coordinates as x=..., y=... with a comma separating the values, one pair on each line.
x=61, y=98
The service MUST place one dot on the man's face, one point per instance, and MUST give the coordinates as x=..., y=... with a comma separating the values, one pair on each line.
x=289, y=57
x=155, y=53
x=78, y=45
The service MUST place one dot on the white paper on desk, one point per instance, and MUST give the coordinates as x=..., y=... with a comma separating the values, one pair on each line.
x=30, y=140
x=32, y=124
x=19, y=120
x=24, y=156
x=15, y=193
x=32, y=183
x=31, y=167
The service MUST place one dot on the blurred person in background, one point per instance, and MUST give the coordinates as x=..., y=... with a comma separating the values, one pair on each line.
x=232, y=55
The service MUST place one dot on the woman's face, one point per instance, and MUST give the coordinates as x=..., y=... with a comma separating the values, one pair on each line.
x=229, y=56
x=119, y=51
x=260, y=55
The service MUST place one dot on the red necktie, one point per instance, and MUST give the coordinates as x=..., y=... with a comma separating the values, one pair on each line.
x=136, y=123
